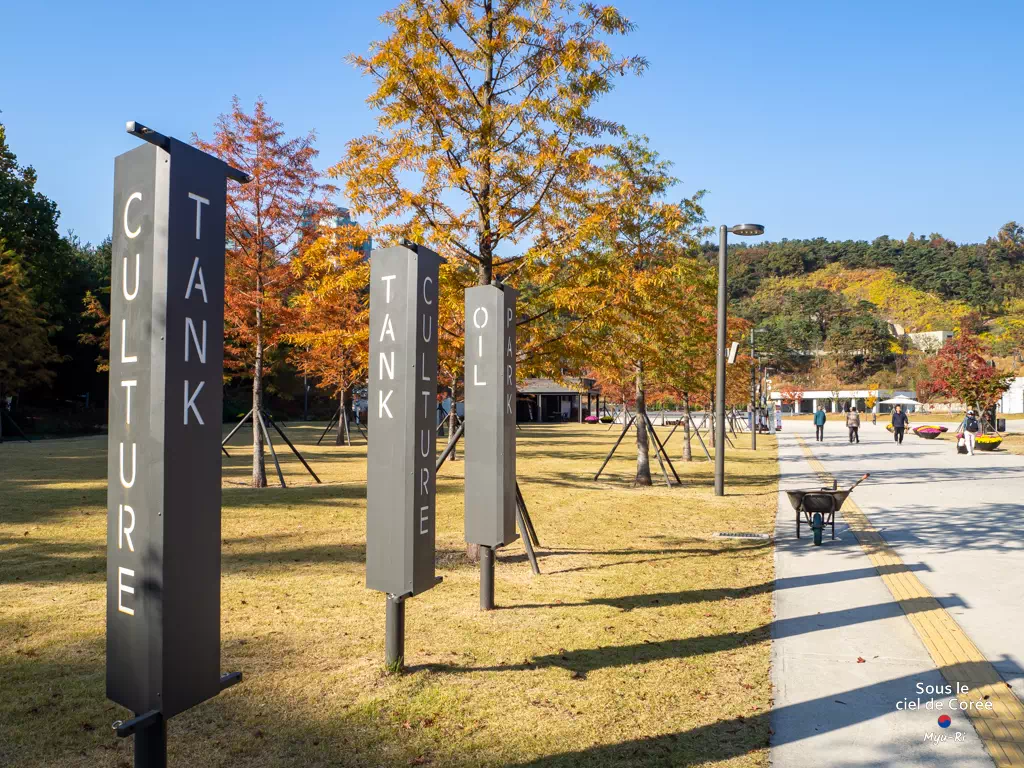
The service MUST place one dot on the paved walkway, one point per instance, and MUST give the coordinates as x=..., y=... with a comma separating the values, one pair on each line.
x=846, y=652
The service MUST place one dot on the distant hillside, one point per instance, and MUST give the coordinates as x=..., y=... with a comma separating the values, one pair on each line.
x=983, y=275
x=895, y=300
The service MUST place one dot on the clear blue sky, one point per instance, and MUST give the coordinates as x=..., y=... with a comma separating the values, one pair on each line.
x=836, y=119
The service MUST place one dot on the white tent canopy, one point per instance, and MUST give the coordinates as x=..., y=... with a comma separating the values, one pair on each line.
x=900, y=400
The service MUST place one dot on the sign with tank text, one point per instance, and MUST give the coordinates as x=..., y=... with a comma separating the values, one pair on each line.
x=490, y=415
x=163, y=457
x=402, y=404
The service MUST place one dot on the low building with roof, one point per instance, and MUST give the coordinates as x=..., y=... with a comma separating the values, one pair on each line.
x=546, y=400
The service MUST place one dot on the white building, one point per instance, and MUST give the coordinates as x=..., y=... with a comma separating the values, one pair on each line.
x=835, y=402
x=929, y=341
x=1012, y=400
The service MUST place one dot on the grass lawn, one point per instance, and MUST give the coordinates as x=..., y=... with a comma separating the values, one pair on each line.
x=1013, y=444
x=644, y=642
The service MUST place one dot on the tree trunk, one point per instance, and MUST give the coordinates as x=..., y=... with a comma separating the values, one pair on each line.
x=452, y=426
x=643, y=459
x=687, y=453
x=259, y=470
x=342, y=416
x=711, y=421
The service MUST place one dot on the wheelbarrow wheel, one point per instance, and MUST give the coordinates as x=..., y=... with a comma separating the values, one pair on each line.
x=817, y=525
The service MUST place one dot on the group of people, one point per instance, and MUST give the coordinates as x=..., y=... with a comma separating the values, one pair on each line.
x=900, y=422
x=852, y=424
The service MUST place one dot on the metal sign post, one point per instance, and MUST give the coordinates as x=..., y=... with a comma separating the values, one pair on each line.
x=400, y=456
x=163, y=456
x=490, y=426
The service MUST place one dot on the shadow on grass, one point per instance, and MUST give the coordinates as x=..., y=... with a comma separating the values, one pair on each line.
x=585, y=660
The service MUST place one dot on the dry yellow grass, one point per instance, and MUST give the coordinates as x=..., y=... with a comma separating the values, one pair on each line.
x=644, y=642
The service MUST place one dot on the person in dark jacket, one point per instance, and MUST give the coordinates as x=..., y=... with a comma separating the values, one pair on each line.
x=819, y=424
x=900, y=422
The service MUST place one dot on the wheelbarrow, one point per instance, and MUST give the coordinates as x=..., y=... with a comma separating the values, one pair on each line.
x=817, y=508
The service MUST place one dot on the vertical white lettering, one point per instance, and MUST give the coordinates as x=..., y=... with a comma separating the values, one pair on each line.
x=190, y=403
x=193, y=283
x=387, y=284
x=424, y=442
x=508, y=402
x=122, y=532
x=424, y=519
x=508, y=320
x=127, y=483
x=383, y=404
x=424, y=480
x=129, y=233
x=122, y=588
x=508, y=375
x=124, y=278
x=508, y=350
x=128, y=399
x=384, y=366
x=428, y=327
x=476, y=377
x=480, y=346
x=200, y=348
x=388, y=329
x=200, y=201
x=479, y=323
x=427, y=301
x=426, y=399
x=125, y=357
x=423, y=367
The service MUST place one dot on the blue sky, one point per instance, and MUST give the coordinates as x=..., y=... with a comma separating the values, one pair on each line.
x=835, y=119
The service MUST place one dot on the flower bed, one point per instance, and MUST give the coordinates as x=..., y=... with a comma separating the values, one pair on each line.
x=929, y=431
x=591, y=419
x=988, y=442
x=607, y=419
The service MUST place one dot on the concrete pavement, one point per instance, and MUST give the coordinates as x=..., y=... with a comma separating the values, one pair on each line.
x=845, y=654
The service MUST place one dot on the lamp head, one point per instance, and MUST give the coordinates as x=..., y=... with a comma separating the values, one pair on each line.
x=747, y=229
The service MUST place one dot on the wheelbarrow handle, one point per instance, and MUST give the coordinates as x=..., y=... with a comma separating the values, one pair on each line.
x=865, y=477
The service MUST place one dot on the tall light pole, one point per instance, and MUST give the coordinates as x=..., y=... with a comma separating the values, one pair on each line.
x=723, y=298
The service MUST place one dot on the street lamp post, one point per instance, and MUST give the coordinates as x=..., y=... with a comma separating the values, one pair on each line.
x=723, y=298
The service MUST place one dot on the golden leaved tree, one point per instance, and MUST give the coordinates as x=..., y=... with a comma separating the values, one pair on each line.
x=486, y=144
x=331, y=343
x=657, y=298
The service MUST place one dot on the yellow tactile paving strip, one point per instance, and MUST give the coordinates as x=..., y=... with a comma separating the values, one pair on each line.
x=961, y=663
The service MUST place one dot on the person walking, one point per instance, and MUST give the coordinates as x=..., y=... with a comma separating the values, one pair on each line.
x=971, y=431
x=900, y=422
x=853, y=424
x=819, y=424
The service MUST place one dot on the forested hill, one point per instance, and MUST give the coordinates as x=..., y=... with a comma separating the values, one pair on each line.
x=827, y=308
x=983, y=275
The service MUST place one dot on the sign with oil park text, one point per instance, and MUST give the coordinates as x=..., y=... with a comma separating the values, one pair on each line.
x=490, y=516
x=163, y=458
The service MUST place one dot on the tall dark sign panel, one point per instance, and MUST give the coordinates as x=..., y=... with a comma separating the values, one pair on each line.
x=402, y=404
x=163, y=458
x=490, y=415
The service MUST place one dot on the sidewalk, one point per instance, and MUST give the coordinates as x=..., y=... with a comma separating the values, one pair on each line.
x=844, y=656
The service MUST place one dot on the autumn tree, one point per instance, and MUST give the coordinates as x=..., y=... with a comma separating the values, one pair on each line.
x=25, y=349
x=651, y=273
x=270, y=221
x=485, y=147
x=960, y=371
x=484, y=120
x=331, y=308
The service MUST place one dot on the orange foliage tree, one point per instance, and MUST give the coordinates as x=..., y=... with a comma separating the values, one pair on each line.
x=331, y=310
x=270, y=220
x=652, y=280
